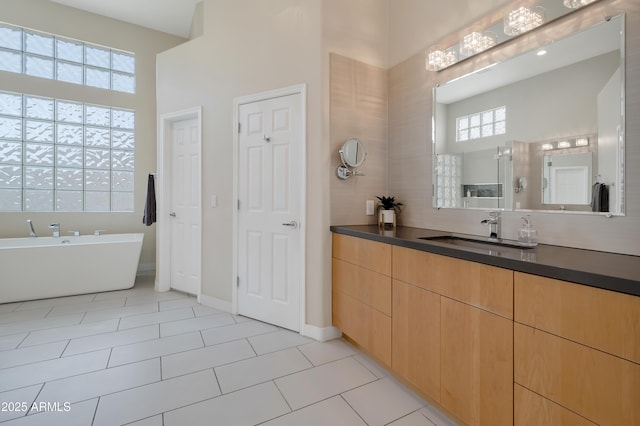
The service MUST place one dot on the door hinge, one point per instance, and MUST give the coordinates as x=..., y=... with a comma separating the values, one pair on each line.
x=238, y=204
x=237, y=281
x=239, y=127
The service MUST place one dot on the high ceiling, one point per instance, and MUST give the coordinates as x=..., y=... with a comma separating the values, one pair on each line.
x=169, y=16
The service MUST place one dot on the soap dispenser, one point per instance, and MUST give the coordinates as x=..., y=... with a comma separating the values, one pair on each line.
x=527, y=235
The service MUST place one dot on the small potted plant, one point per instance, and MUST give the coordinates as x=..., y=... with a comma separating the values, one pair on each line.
x=387, y=210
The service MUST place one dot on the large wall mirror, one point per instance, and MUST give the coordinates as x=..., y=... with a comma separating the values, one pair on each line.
x=540, y=131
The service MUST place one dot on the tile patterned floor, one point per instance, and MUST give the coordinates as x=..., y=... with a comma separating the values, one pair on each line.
x=144, y=358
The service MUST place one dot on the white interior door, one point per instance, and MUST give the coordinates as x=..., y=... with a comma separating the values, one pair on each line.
x=185, y=206
x=569, y=185
x=269, y=194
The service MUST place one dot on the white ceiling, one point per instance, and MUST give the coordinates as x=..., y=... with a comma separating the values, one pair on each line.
x=169, y=16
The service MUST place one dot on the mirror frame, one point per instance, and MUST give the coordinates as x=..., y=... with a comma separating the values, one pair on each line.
x=620, y=172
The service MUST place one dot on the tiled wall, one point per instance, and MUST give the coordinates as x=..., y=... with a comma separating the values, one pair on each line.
x=358, y=109
x=410, y=110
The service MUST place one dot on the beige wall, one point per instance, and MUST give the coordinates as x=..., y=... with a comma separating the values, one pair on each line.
x=249, y=47
x=253, y=46
x=410, y=147
x=358, y=109
x=51, y=17
x=358, y=29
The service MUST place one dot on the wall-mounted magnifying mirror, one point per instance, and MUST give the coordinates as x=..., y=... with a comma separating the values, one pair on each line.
x=521, y=185
x=352, y=155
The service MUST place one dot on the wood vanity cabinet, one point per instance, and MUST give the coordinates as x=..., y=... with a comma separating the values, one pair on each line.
x=361, y=276
x=452, y=327
x=577, y=354
x=490, y=345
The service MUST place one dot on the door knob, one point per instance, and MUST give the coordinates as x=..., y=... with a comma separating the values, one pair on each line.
x=172, y=214
x=293, y=224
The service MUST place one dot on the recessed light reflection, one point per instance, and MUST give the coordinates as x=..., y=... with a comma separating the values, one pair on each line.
x=541, y=52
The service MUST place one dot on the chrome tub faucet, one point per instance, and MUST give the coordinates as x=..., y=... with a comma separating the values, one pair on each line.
x=32, y=232
x=494, y=225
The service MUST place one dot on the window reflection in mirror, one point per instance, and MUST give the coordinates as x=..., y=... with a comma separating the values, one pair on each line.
x=504, y=123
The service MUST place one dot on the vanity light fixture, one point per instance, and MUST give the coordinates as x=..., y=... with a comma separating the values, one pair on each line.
x=575, y=4
x=438, y=58
x=568, y=143
x=482, y=37
x=476, y=42
x=523, y=19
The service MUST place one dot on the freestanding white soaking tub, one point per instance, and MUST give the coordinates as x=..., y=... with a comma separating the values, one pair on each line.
x=38, y=268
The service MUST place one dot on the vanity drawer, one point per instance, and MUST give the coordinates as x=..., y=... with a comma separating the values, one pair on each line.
x=598, y=318
x=600, y=387
x=365, y=285
x=365, y=326
x=531, y=409
x=483, y=286
x=366, y=253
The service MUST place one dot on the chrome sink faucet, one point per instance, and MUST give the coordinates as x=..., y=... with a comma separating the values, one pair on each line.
x=494, y=225
x=56, y=229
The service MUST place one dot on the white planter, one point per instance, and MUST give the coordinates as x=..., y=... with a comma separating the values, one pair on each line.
x=387, y=218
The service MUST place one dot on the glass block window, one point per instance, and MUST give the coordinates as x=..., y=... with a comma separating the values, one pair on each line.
x=448, y=180
x=43, y=55
x=481, y=125
x=58, y=155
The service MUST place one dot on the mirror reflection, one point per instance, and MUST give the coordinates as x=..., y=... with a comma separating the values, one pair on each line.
x=540, y=131
x=353, y=153
x=567, y=178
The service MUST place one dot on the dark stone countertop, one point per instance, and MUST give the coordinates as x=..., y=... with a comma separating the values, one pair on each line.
x=610, y=271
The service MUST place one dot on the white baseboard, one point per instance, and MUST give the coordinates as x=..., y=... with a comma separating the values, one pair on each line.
x=215, y=303
x=146, y=269
x=321, y=334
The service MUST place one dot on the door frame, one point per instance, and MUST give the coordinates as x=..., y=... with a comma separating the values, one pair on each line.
x=163, y=196
x=299, y=89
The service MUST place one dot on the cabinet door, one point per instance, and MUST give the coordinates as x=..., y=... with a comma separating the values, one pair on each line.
x=476, y=364
x=416, y=337
x=600, y=387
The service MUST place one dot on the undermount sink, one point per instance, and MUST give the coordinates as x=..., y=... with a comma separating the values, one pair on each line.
x=455, y=240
